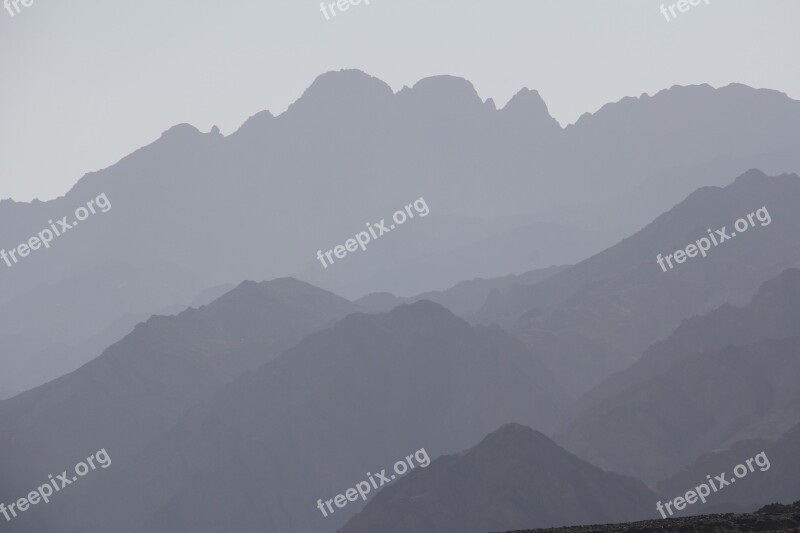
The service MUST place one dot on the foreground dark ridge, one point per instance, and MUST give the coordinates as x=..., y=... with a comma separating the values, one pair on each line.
x=774, y=517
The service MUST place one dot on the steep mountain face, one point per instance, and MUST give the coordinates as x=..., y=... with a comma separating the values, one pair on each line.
x=463, y=298
x=352, y=399
x=726, y=373
x=515, y=478
x=138, y=386
x=601, y=314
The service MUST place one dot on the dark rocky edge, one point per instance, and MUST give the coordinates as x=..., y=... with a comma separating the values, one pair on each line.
x=773, y=517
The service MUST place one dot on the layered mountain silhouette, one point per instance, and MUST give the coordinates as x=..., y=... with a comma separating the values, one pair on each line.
x=598, y=316
x=514, y=478
x=136, y=389
x=509, y=191
x=204, y=405
x=240, y=412
x=719, y=378
x=464, y=298
x=346, y=401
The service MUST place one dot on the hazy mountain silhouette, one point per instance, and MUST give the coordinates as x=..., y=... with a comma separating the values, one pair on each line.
x=138, y=386
x=343, y=402
x=598, y=316
x=195, y=408
x=507, y=181
x=515, y=478
x=462, y=298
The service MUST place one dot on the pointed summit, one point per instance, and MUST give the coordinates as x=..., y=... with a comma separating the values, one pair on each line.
x=528, y=107
x=514, y=478
x=753, y=175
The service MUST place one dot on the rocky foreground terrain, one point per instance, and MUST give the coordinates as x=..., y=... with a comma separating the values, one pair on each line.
x=774, y=517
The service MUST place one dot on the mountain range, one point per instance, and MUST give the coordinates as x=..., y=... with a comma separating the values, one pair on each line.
x=509, y=191
x=592, y=389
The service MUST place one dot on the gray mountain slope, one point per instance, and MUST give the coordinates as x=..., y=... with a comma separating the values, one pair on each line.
x=30, y=362
x=702, y=402
x=515, y=478
x=136, y=389
x=634, y=409
x=772, y=313
x=55, y=327
x=597, y=317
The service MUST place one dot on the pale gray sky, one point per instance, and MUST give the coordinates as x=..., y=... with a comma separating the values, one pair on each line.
x=85, y=83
